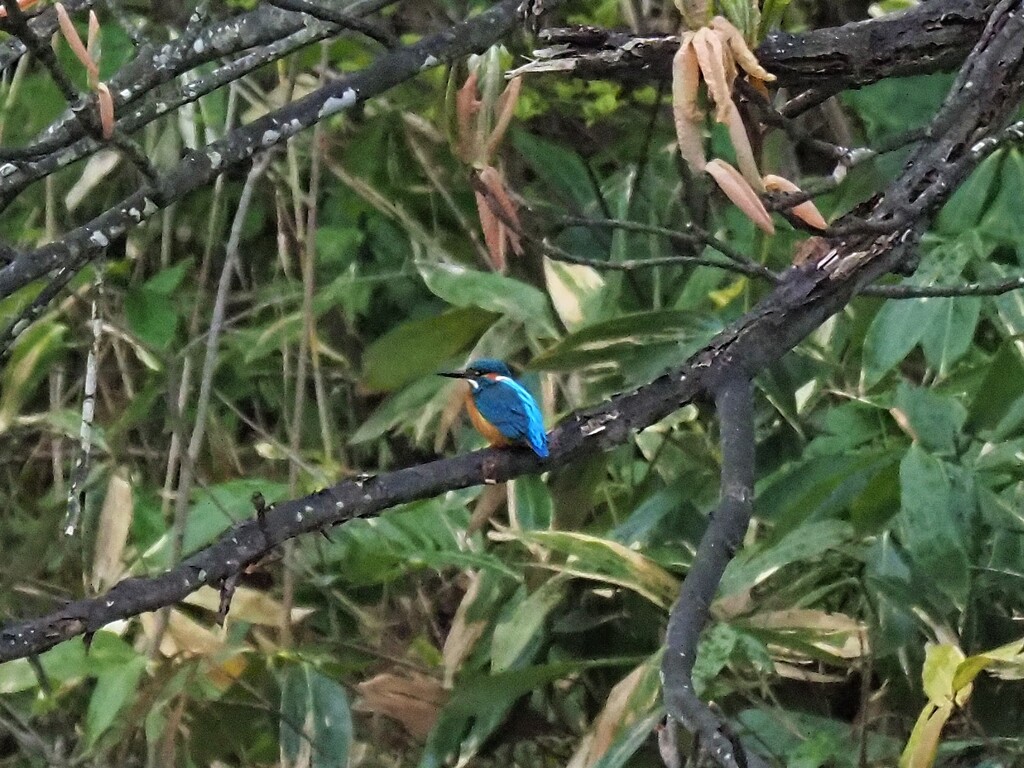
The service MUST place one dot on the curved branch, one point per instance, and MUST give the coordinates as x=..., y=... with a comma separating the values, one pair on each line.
x=734, y=405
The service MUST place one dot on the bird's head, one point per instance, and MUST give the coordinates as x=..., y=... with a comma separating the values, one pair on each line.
x=481, y=372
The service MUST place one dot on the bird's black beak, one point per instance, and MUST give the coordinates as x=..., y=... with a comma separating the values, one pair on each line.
x=453, y=374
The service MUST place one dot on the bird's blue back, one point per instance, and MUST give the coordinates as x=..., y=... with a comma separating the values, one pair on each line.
x=511, y=408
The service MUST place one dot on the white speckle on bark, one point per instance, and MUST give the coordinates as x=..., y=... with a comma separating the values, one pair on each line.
x=215, y=160
x=99, y=239
x=270, y=137
x=337, y=103
x=199, y=46
x=430, y=61
x=7, y=169
x=149, y=208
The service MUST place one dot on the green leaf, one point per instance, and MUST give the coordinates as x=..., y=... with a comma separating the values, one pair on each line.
x=424, y=534
x=115, y=687
x=929, y=525
x=519, y=631
x=152, y=316
x=771, y=16
x=964, y=209
x=896, y=329
x=1002, y=386
x=316, y=722
x=166, y=281
x=625, y=339
x=532, y=507
x=417, y=347
x=810, y=540
x=417, y=398
x=951, y=331
x=561, y=169
x=462, y=287
x=26, y=366
x=935, y=419
x=1002, y=220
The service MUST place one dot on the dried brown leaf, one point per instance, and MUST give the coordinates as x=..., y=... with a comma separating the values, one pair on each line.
x=741, y=53
x=494, y=180
x=67, y=29
x=106, y=105
x=112, y=531
x=710, y=56
x=467, y=105
x=412, y=699
x=686, y=112
x=504, y=110
x=807, y=211
x=741, y=193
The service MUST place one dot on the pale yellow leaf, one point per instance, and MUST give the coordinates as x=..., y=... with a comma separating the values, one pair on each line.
x=112, y=531
x=249, y=605
x=410, y=698
x=575, y=291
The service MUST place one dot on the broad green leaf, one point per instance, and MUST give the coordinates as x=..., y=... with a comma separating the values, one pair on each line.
x=417, y=347
x=1002, y=220
x=622, y=339
x=951, y=331
x=167, y=281
x=1002, y=386
x=771, y=16
x=520, y=629
x=935, y=419
x=750, y=567
x=559, y=168
x=424, y=534
x=896, y=329
x=26, y=366
x=152, y=316
x=929, y=525
x=415, y=398
x=964, y=209
x=115, y=687
x=479, y=704
x=316, y=722
x=531, y=507
x=462, y=287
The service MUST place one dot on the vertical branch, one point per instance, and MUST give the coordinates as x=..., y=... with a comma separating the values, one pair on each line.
x=734, y=403
x=80, y=474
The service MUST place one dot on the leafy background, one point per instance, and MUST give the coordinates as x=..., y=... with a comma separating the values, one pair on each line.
x=522, y=624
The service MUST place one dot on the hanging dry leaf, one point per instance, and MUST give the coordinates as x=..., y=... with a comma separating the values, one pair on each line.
x=504, y=110
x=807, y=211
x=106, y=104
x=67, y=29
x=467, y=106
x=741, y=193
x=685, y=110
x=739, y=49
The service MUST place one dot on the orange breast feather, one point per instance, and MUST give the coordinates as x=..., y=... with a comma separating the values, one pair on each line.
x=483, y=426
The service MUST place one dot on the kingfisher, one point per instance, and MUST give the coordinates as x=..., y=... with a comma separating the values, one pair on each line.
x=501, y=408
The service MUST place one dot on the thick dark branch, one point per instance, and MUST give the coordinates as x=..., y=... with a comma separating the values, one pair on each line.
x=931, y=37
x=723, y=536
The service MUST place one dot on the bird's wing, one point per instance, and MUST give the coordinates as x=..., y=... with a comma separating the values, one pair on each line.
x=512, y=409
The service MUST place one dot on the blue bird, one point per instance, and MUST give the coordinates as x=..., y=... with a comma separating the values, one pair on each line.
x=501, y=409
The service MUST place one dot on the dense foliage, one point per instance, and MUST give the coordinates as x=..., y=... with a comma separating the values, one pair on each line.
x=517, y=624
